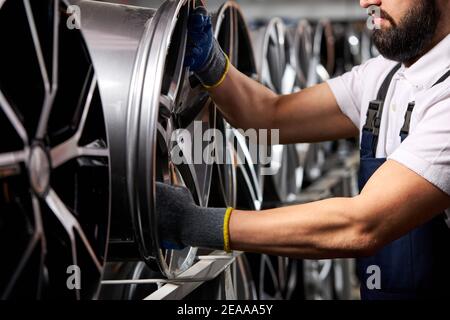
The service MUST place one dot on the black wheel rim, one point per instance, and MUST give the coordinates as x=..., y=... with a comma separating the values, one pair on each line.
x=60, y=170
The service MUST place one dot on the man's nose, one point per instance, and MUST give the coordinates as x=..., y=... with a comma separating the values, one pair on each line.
x=367, y=3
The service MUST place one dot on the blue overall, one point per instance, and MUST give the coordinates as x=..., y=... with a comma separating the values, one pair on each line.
x=416, y=266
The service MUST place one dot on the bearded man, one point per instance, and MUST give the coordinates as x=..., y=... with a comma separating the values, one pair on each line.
x=398, y=104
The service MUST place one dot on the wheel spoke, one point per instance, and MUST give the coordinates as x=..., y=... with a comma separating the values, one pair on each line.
x=37, y=215
x=166, y=104
x=266, y=77
x=64, y=152
x=324, y=269
x=12, y=116
x=176, y=85
x=45, y=114
x=93, y=152
x=246, y=164
x=69, y=150
x=88, y=247
x=55, y=54
x=11, y=158
x=234, y=34
x=19, y=268
x=59, y=209
x=273, y=35
x=267, y=263
x=322, y=73
x=282, y=266
x=30, y=248
x=69, y=222
x=87, y=107
x=37, y=45
x=49, y=95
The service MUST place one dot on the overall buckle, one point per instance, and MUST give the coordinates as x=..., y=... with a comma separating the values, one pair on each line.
x=373, y=120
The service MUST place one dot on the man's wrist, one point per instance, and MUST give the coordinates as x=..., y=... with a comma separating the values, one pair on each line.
x=206, y=228
x=215, y=69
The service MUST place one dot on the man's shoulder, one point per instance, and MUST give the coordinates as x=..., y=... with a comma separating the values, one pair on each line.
x=380, y=61
x=369, y=73
x=437, y=98
x=377, y=67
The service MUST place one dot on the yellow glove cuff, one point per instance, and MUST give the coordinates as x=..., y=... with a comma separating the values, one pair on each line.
x=226, y=230
x=222, y=78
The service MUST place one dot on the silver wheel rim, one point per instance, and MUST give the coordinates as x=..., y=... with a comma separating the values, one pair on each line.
x=277, y=71
x=142, y=79
x=243, y=177
x=230, y=30
x=173, y=100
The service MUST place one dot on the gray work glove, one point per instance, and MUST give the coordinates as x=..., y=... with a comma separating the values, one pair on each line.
x=183, y=223
x=203, y=53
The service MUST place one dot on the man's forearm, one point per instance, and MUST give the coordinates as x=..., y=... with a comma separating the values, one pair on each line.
x=318, y=230
x=394, y=201
x=244, y=102
x=311, y=115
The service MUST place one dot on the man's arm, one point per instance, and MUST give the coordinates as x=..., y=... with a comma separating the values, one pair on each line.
x=394, y=201
x=310, y=115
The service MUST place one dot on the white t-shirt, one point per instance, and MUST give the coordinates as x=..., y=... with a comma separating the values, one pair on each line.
x=426, y=150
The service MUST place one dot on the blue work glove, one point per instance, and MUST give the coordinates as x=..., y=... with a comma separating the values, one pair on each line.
x=183, y=223
x=204, y=56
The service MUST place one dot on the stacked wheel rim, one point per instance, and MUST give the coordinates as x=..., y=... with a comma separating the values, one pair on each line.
x=231, y=32
x=277, y=70
x=240, y=177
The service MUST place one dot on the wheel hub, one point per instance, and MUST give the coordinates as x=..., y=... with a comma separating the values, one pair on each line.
x=39, y=169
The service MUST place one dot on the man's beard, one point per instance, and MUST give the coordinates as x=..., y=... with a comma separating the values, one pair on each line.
x=411, y=37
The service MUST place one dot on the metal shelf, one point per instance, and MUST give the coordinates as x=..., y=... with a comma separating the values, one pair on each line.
x=207, y=268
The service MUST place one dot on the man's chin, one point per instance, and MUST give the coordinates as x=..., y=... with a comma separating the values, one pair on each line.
x=385, y=26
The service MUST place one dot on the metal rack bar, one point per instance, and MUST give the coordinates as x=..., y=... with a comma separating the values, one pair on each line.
x=208, y=268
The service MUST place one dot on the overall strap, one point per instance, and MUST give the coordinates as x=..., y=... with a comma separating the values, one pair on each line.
x=443, y=78
x=371, y=129
x=404, y=132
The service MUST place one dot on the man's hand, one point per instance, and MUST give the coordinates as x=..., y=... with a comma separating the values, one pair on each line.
x=203, y=54
x=181, y=222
